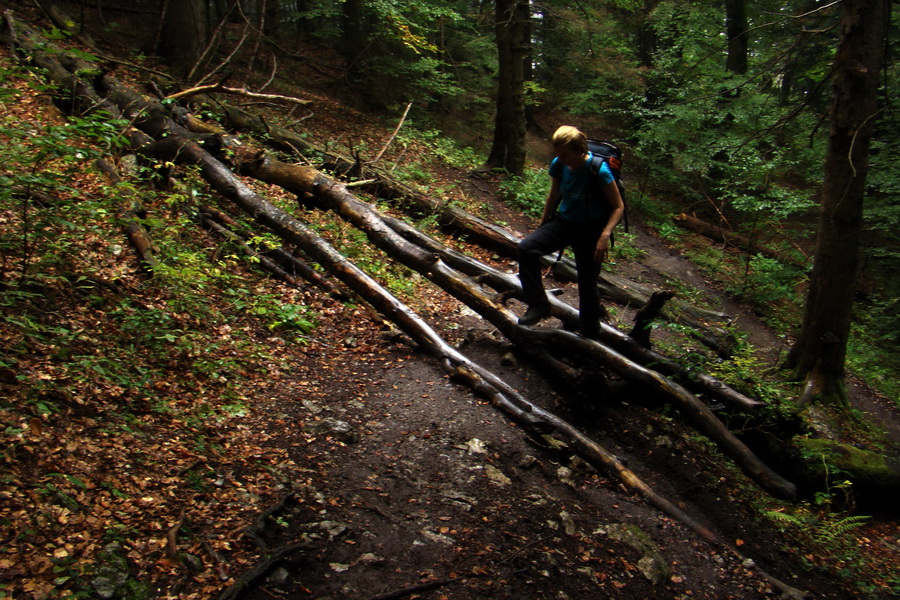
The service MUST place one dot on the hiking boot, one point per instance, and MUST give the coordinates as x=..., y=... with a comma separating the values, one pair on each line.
x=534, y=314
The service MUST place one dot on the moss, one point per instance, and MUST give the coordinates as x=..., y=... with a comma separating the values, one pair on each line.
x=826, y=458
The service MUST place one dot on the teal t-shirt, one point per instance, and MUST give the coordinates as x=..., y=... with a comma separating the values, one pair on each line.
x=576, y=202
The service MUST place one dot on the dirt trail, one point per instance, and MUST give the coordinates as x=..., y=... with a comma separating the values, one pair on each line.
x=416, y=482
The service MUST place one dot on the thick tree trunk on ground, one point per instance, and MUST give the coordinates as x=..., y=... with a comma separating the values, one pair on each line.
x=531, y=417
x=560, y=343
x=150, y=117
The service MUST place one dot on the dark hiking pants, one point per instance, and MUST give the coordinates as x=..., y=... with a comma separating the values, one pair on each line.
x=553, y=236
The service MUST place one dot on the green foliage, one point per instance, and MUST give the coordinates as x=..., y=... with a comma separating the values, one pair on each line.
x=54, y=240
x=706, y=132
x=871, y=349
x=526, y=193
x=424, y=80
x=770, y=286
x=440, y=146
x=745, y=371
x=625, y=248
x=584, y=62
x=824, y=529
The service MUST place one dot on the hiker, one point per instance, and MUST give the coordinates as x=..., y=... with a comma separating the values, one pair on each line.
x=584, y=221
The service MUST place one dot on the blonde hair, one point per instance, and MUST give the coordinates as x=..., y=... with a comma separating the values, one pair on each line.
x=571, y=137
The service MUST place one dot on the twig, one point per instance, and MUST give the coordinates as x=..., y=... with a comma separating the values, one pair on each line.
x=393, y=135
x=223, y=89
x=212, y=40
x=119, y=61
x=361, y=182
x=228, y=58
x=272, y=74
x=261, y=8
x=172, y=536
x=413, y=589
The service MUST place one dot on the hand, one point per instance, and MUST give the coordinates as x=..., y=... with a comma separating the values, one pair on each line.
x=602, y=249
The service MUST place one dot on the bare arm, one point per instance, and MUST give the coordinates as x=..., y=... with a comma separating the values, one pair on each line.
x=618, y=210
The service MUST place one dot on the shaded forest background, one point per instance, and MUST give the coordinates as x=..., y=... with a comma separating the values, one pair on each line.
x=722, y=111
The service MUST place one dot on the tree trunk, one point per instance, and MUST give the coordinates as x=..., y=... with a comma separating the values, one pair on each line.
x=185, y=33
x=736, y=31
x=646, y=36
x=299, y=180
x=149, y=116
x=511, y=26
x=355, y=35
x=820, y=351
x=485, y=233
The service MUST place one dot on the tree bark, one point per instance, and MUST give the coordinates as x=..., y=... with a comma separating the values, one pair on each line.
x=289, y=263
x=736, y=32
x=646, y=315
x=148, y=116
x=127, y=215
x=184, y=33
x=511, y=28
x=820, y=351
x=300, y=180
x=485, y=233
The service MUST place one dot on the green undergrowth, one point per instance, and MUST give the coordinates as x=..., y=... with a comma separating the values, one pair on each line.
x=82, y=320
x=776, y=291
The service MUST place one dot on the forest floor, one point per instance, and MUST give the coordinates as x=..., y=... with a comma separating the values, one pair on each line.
x=420, y=482
x=386, y=479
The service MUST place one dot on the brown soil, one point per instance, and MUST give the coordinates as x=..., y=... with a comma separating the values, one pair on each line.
x=434, y=487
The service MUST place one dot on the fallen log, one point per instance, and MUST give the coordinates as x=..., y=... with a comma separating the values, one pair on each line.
x=264, y=262
x=127, y=216
x=737, y=240
x=290, y=264
x=302, y=180
x=529, y=416
x=336, y=197
x=625, y=344
x=225, y=182
x=481, y=231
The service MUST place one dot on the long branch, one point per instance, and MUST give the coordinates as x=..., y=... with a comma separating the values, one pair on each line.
x=224, y=89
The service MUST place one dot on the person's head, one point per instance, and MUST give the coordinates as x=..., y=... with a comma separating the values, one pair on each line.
x=571, y=138
x=569, y=144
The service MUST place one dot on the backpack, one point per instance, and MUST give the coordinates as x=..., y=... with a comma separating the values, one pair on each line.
x=609, y=153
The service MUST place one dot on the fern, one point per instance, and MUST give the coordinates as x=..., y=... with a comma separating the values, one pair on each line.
x=788, y=518
x=831, y=531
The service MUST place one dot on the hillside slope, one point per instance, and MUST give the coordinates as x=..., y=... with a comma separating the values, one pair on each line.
x=173, y=435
